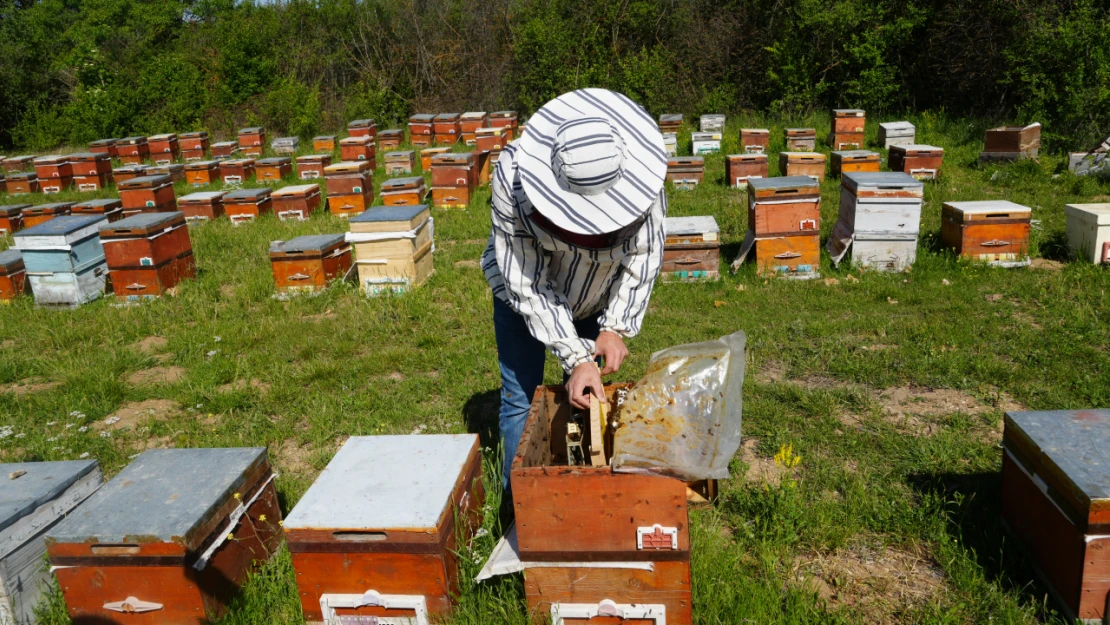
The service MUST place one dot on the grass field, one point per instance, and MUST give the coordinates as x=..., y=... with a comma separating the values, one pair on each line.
x=889, y=388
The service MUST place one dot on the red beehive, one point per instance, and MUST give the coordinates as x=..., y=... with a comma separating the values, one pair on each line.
x=91, y=171
x=403, y=191
x=506, y=120
x=147, y=253
x=164, y=149
x=358, y=149
x=362, y=128
x=309, y=263
x=422, y=129
x=311, y=166
x=202, y=206
x=247, y=204
x=447, y=128
x=194, y=145
x=133, y=150
x=110, y=208
x=105, y=146
x=490, y=139
x=251, y=140
x=454, y=178
x=127, y=172
x=390, y=139
x=42, y=213
x=13, y=275
x=469, y=123
x=148, y=194
x=350, y=187
x=296, y=201
x=224, y=149
x=11, y=218
x=22, y=183
x=55, y=173
x=237, y=171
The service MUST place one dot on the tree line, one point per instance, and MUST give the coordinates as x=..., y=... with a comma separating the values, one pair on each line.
x=76, y=70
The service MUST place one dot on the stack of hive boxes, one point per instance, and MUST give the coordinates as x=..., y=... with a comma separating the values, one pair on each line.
x=920, y=161
x=296, y=202
x=692, y=250
x=350, y=187
x=1088, y=229
x=393, y=248
x=633, y=566
x=506, y=120
x=1012, y=143
x=421, y=129
x=246, y=205
x=739, y=168
x=147, y=194
x=669, y=125
x=358, y=149
x=847, y=129
x=880, y=218
x=64, y=260
x=454, y=178
x=111, y=209
x=755, y=140
x=685, y=172
x=403, y=191
x=54, y=173
x=995, y=231
x=251, y=141
x=309, y=263
x=91, y=171
x=801, y=139
x=42, y=213
x=784, y=224
x=447, y=128
x=896, y=133
x=133, y=150
x=164, y=149
x=203, y=206
x=469, y=123
x=848, y=161
x=194, y=145
x=148, y=254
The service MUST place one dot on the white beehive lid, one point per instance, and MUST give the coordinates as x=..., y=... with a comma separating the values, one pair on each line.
x=988, y=206
x=680, y=226
x=1096, y=213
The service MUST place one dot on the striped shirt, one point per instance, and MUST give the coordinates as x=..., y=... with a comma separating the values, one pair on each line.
x=551, y=283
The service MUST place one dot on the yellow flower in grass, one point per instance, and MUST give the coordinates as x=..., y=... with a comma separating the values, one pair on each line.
x=262, y=518
x=786, y=457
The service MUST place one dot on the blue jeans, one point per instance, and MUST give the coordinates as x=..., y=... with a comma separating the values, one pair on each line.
x=521, y=359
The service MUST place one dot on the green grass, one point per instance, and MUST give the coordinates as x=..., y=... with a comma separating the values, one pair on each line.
x=339, y=364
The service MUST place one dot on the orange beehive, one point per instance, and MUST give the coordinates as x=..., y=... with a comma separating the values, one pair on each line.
x=309, y=263
x=202, y=173
x=739, y=168
x=147, y=254
x=358, y=149
x=390, y=139
x=296, y=202
x=403, y=191
x=133, y=150
x=13, y=275
x=447, y=128
x=469, y=123
x=247, y=204
x=110, y=208
x=148, y=194
x=273, y=170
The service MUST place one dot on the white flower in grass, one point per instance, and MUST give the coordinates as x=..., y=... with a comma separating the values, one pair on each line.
x=69, y=425
x=111, y=420
x=133, y=456
x=105, y=434
x=83, y=428
x=52, y=439
x=212, y=353
x=50, y=423
x=84, y=455
x=21, y=435
x=217, y=339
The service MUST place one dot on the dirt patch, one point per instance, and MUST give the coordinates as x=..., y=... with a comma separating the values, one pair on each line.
x=877, y=347
x=761, y=470
x=28, y=386
x=881, y=584
x=242, y=385
x=227, y=290
x=131, y=414
x=1046, y=264
x=467, y=264
x=327, y=315
x=294, y=458
x=908, y=408
x=157, y=375
x=156, y=442
x=1028, y=320
x=396, y=376
x=150, y=345
x=771, y=371
x=7, y=344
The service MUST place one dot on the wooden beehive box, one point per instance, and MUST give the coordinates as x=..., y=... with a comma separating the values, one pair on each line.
x=224, y=149
x=490, y=139
x=457, y=169
x=324, y=143
x=422, y=129
x=164, y=148
x=1088, y=229
x=34, y=497
x=273, y=170
x=810, y=164
x=685, y=172
x=393, y=248
x=409, y=506
x=237, y=171
x=390, y=139
x=91, y=171
x=55, y=173
x=896, y=133
x=399, y=162
x=711, y=122
x=16, y=164
x=617, y=517
x=880, y=218
x=285, y=145
x=176, y=171
x=447, y=128
x=350, y=188
x=1055, y=501
x=507, y=120
x=358, y=149
x=670, y=122
x=132, y=150
x=194, y=145
x=64, y=260
x=1010, y=143
x=202, y=206
x=801, y=139
x=309, y=263
x=848, y=161
x=920, y=161
x=311, y=166
x=148, y=193
x=848, y=121
x=705, y=142
x=105, y=146
x=403, y=191
x=110, y=208
x=362, y=128
x=996, y=231
x=739, y=168
x=755, y=140
x=128, y=172
x=202, y=173
x=21, y=183
x=147, y=254
x=126, y=556
x=692, y=250
x=251, y=141
x=784, y=206
x=11, y=218
x=247, y=205
x=41, y=213
x=469, y=123
x=13, y=283
x=296, y=202
x=427, y=154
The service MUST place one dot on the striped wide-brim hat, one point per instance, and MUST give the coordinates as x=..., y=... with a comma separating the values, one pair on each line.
x=592, y=161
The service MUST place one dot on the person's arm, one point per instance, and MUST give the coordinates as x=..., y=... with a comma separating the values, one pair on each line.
x=629, y=295
x=523, y=265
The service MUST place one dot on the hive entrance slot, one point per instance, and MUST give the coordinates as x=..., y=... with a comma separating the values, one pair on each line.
x=114, y=550
x=360, y=537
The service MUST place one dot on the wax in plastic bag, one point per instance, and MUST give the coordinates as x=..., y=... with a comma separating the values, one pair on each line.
x=682, y=419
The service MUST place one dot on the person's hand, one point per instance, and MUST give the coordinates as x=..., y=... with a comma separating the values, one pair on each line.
x=610, y=346
x=584, y=381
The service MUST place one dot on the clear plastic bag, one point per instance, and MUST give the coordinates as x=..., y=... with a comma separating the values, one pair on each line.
x=682, y=419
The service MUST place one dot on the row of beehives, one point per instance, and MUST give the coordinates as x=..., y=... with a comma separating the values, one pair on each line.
x=72, y=259
x=879, y=221
x=377, y=538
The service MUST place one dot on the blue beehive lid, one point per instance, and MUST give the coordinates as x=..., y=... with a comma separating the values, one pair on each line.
x=43, y=482
x=63, y=225
x=247, y=195
x=165, y=495
x=389, y=213
x=308, y=243
x=143, y=221
x=780, y=182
